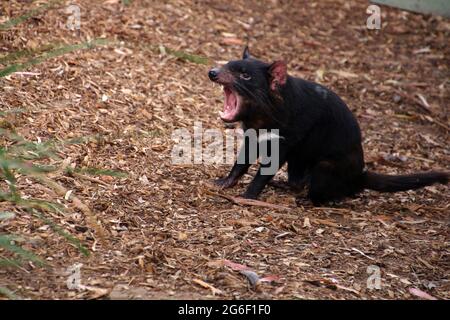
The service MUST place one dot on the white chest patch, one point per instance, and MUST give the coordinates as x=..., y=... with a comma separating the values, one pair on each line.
x=268, y=136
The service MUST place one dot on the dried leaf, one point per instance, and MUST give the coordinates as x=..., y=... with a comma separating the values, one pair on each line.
x=421, y=294
x=202, y=283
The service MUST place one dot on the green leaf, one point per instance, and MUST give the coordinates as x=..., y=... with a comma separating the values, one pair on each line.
x=76, y=242
x=37, y=203
x=9, y=294
x=52, y=54
x=182, y=55
x=9, y=177
x=7, y=243
x=15, y=21
x=9, y=263
x=5, y=215
x=187, y=56
x=27, y=53
x=102, y=172
x=15, y=110
x=25, y=167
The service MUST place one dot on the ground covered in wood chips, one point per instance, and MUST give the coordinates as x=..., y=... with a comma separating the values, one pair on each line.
x=166, y=235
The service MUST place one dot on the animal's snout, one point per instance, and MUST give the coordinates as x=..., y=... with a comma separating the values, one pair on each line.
x=213, y=74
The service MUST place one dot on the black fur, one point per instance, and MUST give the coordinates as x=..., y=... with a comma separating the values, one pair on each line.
x=322, y=138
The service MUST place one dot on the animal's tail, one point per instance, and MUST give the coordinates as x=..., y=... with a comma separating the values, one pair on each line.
x=388, y=183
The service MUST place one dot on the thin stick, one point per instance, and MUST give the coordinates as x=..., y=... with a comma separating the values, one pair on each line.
x=81, y=176
x=90, y=217
x=250, y=202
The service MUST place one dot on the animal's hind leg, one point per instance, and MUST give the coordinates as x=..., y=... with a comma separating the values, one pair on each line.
x=297, y=179
x=327, y=183
x=297, y=174
x=283, y=185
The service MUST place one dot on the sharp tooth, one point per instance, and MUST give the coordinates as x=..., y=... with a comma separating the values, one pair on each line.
x=221, y=114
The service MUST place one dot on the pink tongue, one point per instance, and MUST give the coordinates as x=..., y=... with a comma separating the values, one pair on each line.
x=231, y=101
x=230, y=105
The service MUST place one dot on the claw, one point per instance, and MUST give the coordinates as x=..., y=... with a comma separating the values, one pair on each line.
x=225, y=183
x=248, y=195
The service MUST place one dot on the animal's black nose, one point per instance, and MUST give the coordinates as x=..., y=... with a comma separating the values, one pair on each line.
x=213, y=74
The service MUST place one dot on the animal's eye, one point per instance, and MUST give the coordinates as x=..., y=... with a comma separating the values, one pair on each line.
x=245, y=76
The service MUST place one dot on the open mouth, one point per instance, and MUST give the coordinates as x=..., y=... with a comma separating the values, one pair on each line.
x=231, y=105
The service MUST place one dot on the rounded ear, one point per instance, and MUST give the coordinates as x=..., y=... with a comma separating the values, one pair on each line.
x=278, y=74
x=246, y=53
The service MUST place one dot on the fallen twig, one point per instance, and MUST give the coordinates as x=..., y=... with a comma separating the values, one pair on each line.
x=362, y=253
x=90, y=216
x=208, y=286
x=421, y=102
x=95, y=180
x=249, y=202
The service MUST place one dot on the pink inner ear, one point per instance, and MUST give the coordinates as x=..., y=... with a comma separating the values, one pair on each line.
x=278, y=71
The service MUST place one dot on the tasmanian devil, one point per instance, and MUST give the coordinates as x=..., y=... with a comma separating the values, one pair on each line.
x=320, y=139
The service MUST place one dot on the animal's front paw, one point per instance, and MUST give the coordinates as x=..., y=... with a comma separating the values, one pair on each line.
x=225, y=183
x=249, y=195
x=279, y=184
